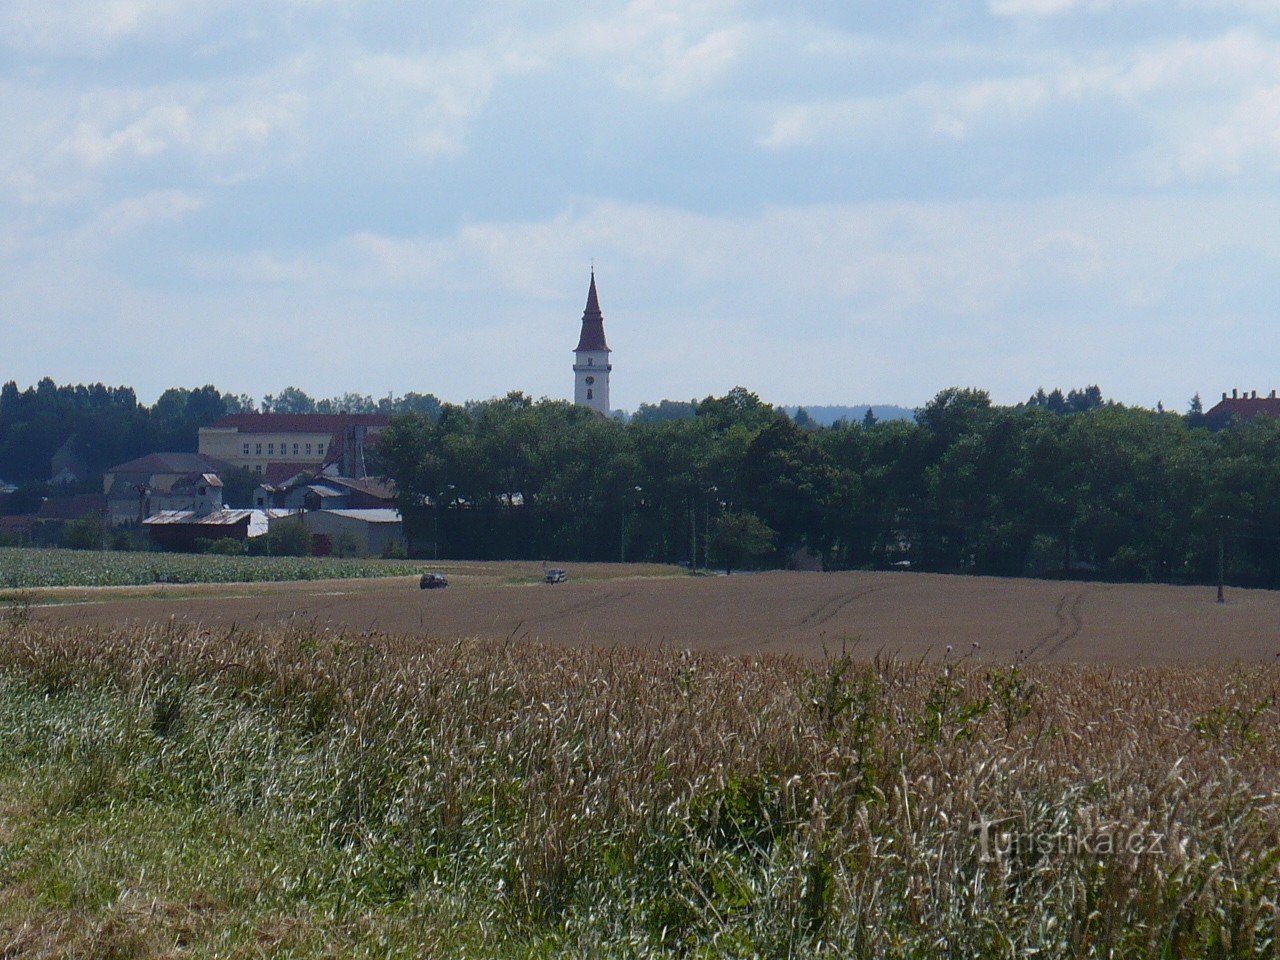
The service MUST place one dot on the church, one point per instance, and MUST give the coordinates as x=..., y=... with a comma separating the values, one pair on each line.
x=591, y=364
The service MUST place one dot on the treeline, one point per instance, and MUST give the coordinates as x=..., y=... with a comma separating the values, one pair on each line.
x=107, y=425
x=1075, y=488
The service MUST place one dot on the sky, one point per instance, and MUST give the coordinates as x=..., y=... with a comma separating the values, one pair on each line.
x=826, y=202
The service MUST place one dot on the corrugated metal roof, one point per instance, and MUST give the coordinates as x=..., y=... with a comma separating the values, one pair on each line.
x=326, y=491
x=382, y=489
x=219, y=518
x=369, y=515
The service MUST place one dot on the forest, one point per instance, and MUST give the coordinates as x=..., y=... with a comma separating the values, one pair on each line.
x=1062, y=485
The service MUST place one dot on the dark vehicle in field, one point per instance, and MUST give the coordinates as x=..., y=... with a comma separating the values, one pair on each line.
x=555, y=575
x=433, y=581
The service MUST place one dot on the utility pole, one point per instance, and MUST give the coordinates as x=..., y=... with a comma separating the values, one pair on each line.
x=706, y=528
x=1221, y=564
x=693, y=534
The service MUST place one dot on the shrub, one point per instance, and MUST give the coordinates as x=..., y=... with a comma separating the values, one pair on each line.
x=83, y=534
x=288, y=538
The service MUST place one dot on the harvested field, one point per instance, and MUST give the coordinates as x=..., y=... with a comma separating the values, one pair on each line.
x=906, y=615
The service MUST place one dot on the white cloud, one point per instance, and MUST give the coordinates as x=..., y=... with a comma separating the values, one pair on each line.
x=437, y=97
x=136, y=213
x=949, y=111
x=94, y=143
x=95, y=27
x=1053, y=8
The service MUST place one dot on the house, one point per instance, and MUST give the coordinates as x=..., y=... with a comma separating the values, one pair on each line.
x=1244, y=406
x=325, y=492
x=66, y=466
x=162, y=481
x=259, y=441
x=181, y=529
x=371, y=533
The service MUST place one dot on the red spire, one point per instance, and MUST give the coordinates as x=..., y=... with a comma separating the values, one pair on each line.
x=592, y=337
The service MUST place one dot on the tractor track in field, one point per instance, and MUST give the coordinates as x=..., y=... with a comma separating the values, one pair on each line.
x=579, y=607
x=827, y=611
x=1067, y=626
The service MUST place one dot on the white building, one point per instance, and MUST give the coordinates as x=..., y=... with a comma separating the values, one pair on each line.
x=372, y=533
x=591, y=364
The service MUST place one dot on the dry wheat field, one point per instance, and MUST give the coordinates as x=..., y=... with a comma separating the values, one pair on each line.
x=898, y=614
x=306, y=791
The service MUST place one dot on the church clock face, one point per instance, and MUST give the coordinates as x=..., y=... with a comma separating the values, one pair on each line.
x=590, y=380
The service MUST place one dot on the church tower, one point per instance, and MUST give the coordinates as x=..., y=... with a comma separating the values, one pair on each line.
x=591, y=364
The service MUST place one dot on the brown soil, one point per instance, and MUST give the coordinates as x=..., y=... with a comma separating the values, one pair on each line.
x=901, y=614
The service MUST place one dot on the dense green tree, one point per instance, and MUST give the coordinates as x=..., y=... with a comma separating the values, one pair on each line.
x=737, y=538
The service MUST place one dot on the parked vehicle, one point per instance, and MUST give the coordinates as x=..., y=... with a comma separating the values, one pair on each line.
x=433, y=581
x=555, y=575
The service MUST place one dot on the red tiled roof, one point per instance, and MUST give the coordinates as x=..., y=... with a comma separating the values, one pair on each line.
x=327, y=423
x=1244, y=408
x=278, y=473
x=592, y=336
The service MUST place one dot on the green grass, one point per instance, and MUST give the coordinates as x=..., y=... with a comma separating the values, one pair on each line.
x=301, y=794
x=22, y=568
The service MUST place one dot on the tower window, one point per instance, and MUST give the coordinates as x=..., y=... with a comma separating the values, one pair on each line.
x=590, y=395
x=591, y=361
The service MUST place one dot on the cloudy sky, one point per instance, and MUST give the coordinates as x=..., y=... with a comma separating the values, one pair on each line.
x=828, y=202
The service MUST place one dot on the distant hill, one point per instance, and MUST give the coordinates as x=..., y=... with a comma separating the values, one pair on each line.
x=829, y=415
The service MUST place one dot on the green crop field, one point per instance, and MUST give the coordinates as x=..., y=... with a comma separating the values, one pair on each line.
x=27, y=568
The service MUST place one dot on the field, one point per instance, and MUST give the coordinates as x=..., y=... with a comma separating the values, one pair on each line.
x=898, y=614
x=173, y=791
x=22, y=568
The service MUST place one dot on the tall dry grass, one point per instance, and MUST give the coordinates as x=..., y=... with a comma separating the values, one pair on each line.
x=640, y=803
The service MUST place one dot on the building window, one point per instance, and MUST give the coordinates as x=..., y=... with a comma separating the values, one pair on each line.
x=258, y=449
x=295, y=449
x=591, y=361
x=308, y=449
x=271, y=449
x=246, y=449
x=320, y=449
x=258, y=468
x=589, y=393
